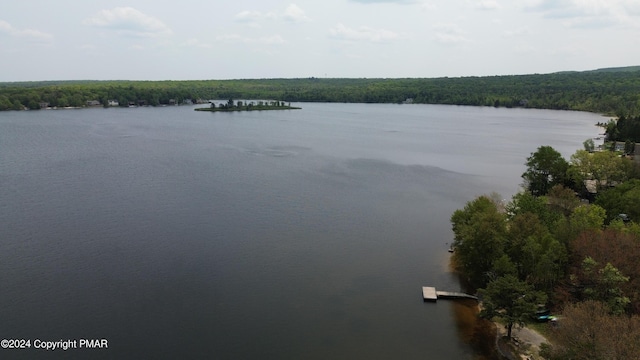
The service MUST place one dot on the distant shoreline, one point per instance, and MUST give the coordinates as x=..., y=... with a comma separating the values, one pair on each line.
x=593, y=91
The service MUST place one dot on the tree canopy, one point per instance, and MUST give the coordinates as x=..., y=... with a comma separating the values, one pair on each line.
x=512, y=300
x=479, y=231
x=545, y=168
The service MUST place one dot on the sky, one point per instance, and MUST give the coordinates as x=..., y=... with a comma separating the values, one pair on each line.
x=255, y=39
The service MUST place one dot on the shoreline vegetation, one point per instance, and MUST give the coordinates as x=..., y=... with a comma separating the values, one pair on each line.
x=556, y=267
x=232, y=105
x=607, y=91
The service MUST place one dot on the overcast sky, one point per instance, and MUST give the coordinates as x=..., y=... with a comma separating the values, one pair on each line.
x=240, y=39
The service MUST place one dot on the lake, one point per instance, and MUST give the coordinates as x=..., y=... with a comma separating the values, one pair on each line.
x=299, y=234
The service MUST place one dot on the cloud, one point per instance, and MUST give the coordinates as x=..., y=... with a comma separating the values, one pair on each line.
x=295, y=13
x=292, y=13
x=520, y=32
x=29, y=35
x=588, y=13
x=428, y=6
x=450, y=34
x=363, y=33
x=488, y=5
x=196, y=43
x=253, y=16
x=128, y=21
x=269, y=40
x=235, y=39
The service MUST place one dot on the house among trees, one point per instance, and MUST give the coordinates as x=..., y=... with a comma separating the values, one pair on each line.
x=113, y=103
x=618, y=146
x=631, y=149
x=93, y=103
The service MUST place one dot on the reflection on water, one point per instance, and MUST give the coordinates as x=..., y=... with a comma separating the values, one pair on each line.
x=479, y=333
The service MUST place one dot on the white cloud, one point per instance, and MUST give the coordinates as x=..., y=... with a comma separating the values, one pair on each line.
x=428, y=6
x=129, y=22
x=196, y=43
x=632, y=7
x=488, y=5
x=30, y=35
x=520, y=32
x=292, y=13
x=589, y=13
x=363, y=33
x=253, y=16
x=295, y=13
x=265, y=40
x=449, y=34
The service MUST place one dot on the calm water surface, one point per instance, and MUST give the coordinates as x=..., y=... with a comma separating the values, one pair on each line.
x=266, y=235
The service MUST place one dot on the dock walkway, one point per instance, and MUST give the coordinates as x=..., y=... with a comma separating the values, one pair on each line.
x=431, y=294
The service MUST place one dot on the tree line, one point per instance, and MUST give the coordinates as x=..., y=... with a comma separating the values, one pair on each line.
x=626, y=128
x=568, y=241
x=611, y=92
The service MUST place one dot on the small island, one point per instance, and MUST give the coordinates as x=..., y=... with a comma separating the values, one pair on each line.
x=232, y=105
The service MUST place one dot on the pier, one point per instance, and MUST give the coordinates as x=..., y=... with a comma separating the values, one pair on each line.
x=431, y=294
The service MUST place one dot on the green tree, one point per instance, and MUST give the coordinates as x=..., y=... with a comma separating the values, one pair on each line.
x=16, y=105
x=604, y=285
x=5, y=104
x=510, y=299
x=604, y=168
x=587, y=217
x=611, y=130
x=628, y=147
x=538, y=257
x=525, y=202
x=545, y=168
x=479, y=231
x=622, y=199
x=589, y=145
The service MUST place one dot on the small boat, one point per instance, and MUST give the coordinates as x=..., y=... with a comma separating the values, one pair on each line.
x=451, y=249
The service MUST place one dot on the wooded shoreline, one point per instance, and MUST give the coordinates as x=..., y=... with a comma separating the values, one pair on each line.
x=607, y=91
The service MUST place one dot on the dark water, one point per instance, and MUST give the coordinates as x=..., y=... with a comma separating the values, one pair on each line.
x=266, y=235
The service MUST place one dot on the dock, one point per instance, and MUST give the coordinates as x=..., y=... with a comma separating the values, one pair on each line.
x=431, y=294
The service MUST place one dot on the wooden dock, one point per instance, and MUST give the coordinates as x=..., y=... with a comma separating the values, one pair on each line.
x=431, y=294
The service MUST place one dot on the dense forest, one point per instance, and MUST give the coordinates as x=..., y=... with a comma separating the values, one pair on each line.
x=569, y=243
x=625, y=129
x=610, y=91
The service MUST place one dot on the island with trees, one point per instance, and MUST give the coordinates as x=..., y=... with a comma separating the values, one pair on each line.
x=232, y=105
x=567, y=245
